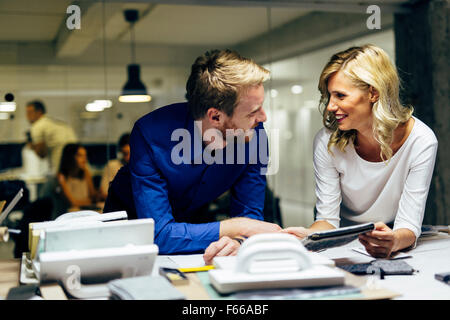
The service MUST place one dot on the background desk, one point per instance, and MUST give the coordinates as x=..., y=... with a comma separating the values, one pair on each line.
x=9, y=276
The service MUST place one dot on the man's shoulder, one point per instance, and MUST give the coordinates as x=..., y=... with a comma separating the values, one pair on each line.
x=40, y=127
x=170, y=116
x=40, y=123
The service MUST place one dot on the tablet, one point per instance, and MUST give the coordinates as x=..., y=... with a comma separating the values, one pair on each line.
x=334, y=238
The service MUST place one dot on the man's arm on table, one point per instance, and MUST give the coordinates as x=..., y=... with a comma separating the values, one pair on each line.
x=247, y=204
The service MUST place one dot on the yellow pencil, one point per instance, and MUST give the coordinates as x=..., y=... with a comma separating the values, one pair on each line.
x=197, y=269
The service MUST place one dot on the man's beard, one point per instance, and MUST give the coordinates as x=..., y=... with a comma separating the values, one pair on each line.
x=236, y=134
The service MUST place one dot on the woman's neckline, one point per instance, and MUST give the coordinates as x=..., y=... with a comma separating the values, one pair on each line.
x=394, y=155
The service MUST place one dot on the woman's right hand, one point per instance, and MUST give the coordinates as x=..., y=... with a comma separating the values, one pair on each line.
x=299, y=232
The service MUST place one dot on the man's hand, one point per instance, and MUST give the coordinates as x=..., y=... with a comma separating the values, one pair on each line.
x=246, y=227
x=225, y=246
x=381, y=242
x=299, y=232
x=40, y=149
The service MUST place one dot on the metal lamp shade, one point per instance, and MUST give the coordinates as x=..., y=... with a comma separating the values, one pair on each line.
x=134, y=90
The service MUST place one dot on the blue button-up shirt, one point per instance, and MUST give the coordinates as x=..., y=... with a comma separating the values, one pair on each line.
x=171, y=192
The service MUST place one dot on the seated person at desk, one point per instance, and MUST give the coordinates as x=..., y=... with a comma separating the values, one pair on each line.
x=75, y=179
x=224, y=91
x=113, y=166
x=373, y=161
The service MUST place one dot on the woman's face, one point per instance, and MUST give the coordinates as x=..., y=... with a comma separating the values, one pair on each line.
x=81, y=158
x=351, y=106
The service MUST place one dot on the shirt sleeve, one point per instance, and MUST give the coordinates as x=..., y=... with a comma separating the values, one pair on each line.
x=328, y=190
x=414, y=196
x=151, y=200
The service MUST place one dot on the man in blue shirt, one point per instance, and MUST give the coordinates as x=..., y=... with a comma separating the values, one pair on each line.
x=185, y=155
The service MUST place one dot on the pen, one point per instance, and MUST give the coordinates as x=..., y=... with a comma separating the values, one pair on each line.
x=196, y=269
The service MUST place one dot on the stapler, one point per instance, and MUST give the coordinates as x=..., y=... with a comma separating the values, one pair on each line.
x=273, y=261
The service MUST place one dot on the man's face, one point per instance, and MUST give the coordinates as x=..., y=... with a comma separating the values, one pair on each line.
x=248, y=113
x=125, y=150
x=32, y=114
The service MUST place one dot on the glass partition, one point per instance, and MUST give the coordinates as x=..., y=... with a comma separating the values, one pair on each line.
x=79, y=73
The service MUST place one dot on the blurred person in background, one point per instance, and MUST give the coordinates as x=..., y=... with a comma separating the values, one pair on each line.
x=47, y=136
x=75, y=179
x=113, y=166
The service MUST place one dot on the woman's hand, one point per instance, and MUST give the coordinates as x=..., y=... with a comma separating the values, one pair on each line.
x=381, y=242
x=299, y=232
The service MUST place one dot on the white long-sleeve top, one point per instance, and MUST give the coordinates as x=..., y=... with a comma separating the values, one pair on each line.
x=351, y=190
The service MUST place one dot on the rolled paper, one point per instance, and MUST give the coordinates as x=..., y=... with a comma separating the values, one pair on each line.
x=4, y=234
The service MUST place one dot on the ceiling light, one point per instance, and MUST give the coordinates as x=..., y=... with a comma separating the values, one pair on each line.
x=274, y=93
x=134, y=90
x=7, y=106
x=104, y=103
x=135, y=98
x=296, y=89
x=4, y=116
x=93, y=107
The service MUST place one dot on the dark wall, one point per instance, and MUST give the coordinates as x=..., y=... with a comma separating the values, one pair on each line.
x=10, y=155
x=422, y=57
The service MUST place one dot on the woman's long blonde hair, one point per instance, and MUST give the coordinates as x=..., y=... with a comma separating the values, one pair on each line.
x=366, y=66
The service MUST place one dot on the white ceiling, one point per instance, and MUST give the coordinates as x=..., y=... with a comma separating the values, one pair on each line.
x=199, y=25
x=31, y=20
x=214, y=24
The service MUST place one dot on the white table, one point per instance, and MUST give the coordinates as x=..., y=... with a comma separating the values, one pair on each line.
x=431, y=256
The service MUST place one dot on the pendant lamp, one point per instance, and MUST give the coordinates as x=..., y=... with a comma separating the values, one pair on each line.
x=134, y=90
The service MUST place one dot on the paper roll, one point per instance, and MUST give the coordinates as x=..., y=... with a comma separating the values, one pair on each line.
x=4, y=234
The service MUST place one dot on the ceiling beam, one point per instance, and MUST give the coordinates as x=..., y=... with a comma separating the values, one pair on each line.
x=117, y=54
x=313, y=31
x=353, y=6
x=72, y=43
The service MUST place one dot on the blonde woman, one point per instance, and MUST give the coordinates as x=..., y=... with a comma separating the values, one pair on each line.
x=373, y=160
